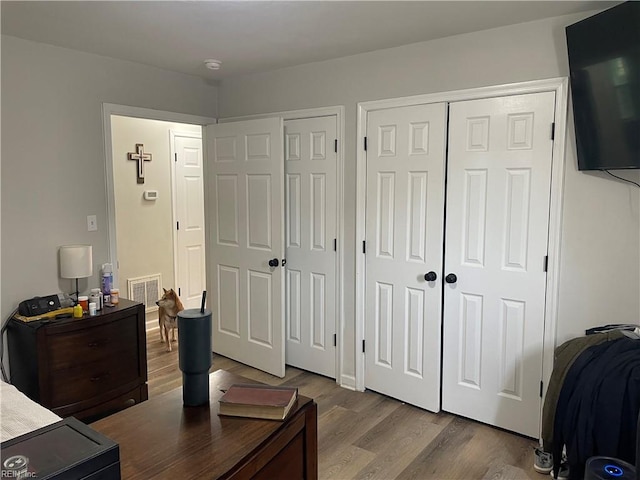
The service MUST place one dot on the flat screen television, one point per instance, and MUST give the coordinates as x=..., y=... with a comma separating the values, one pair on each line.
x=604, y=64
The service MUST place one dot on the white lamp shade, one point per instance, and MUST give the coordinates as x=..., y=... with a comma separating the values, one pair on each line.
x=76, y=261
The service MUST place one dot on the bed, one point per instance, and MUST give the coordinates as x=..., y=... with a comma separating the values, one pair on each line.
x=19, y=414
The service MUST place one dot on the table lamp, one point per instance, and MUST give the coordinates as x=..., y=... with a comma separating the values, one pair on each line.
x=76, y=262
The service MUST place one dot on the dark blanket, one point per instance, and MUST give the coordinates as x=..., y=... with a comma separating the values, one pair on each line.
x=598, y=406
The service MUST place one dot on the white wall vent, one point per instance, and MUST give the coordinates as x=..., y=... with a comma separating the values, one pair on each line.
x=145, y=290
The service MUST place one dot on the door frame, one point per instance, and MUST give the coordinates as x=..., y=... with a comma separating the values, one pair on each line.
x=558, y=85
x=343, y=379
x=174, y=203
x=109, y=109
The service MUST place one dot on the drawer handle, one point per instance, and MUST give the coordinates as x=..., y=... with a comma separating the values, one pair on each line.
x=99, y=378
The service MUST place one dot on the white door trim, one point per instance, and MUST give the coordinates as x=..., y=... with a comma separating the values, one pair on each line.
x=342, y=378
x=557, y=85
x=109, y=109
x=174, y=214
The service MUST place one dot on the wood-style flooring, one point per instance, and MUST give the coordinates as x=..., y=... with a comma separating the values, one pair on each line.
x=365, y=435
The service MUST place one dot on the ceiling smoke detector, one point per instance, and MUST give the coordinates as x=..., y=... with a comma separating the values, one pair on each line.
x=213, y=64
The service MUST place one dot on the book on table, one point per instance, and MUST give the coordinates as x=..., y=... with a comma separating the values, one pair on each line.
x=258, y=401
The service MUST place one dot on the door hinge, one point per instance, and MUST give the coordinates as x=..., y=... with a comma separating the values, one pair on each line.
x=553, y=131
x=335, y=244
x=363, y=346
x=546, y=263
x=177, y=225
x=364, y=246
x=335, y=340
x=175, y=157
x=179, y=291
x=335, y=145
x=365, y=144
x=541, y=385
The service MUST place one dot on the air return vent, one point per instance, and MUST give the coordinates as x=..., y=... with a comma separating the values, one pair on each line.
x=145, y=290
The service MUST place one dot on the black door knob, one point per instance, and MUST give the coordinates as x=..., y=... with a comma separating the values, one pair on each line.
x=451, y=278
x=430, y=276
x=274, y=262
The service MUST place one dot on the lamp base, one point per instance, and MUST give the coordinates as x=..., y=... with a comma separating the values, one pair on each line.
x=77, y=291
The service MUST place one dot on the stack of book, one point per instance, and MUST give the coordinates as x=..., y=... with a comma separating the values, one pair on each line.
x=258, y=401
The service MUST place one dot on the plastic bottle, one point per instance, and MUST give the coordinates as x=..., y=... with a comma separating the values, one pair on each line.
x=96, y=297
x=92, y=309
x=77, y=311
x=107, y=281
x=83, y=301
x=115, y=296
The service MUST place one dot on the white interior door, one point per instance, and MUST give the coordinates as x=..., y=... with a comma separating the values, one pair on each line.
x=246, y=214
x=311, y=225
x=498, y=188
x=404, y=233
x=189, y=208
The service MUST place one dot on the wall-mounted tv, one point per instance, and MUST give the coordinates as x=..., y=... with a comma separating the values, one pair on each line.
x=604, y=63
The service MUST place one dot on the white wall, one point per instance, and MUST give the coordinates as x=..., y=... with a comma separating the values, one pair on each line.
x=600, y=279
x=53, y=160
x=144, y=228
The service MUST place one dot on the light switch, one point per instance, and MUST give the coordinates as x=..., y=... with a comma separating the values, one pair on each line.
x=92, y=223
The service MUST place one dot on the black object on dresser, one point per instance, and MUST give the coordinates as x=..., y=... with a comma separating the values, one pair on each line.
x=87, y=367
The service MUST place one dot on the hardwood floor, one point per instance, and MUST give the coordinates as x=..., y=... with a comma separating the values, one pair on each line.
x=365, y=435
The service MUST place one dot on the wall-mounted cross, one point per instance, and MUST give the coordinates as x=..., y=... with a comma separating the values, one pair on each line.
x=140, y=157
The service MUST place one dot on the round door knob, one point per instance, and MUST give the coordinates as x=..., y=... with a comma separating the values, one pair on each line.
x=451, y=278
x=274, y=262
x=430, y=276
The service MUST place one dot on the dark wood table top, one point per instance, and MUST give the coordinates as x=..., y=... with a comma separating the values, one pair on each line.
x=160, y=438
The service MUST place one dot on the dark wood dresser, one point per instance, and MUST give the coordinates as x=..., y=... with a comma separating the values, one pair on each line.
x=161, y=439
x=87, y=367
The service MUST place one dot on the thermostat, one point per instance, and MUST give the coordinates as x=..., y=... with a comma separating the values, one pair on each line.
x=150, y=194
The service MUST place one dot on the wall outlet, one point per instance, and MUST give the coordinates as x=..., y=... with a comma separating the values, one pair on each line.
x=92, y=223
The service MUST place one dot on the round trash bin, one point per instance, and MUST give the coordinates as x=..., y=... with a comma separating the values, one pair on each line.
x=194, y=355
x=608, y=468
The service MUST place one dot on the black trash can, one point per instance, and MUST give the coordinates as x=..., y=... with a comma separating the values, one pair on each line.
x=194, y=355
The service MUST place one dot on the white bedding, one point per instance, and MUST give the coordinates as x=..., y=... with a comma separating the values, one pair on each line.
x=19, y=414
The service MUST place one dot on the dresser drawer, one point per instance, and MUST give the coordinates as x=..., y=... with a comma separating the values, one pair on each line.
x=95, y=344
x=89, y=380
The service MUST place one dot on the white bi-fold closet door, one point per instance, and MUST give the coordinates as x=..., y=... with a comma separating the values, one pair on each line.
x=491, y=283
x=272, y=262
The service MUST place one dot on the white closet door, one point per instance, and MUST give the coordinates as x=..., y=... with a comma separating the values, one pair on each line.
x=404, y=231
x=498, y=188
x=191, y=271
x=310, y=233
x=246, y=214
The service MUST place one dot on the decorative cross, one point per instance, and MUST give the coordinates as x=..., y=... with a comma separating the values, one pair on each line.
x=140, y=157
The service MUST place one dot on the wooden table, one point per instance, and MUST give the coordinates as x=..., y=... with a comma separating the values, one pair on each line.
x=162, y=439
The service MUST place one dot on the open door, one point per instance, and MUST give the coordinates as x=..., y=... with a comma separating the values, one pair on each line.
x=245, y=176
x=189, y=217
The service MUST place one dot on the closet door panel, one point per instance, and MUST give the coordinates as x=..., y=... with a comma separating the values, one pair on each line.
x=404, y=233
x=498, y=190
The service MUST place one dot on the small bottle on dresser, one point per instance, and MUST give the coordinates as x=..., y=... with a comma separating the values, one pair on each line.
x=115, y=296
x=96, y=297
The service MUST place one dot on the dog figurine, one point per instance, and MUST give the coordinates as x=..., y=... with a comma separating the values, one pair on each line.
x=170, y=305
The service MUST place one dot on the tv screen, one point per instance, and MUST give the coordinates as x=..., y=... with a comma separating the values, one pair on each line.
x=604, y=64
